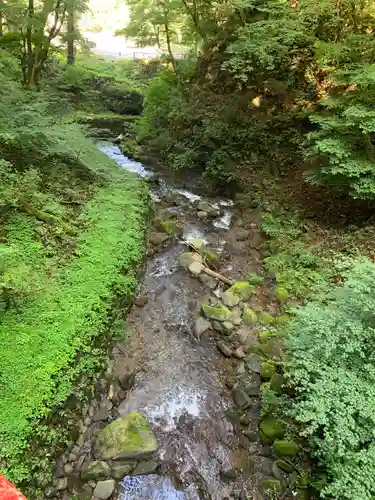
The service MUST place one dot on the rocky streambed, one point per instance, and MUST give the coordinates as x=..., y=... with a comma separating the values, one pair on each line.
x=178, y=416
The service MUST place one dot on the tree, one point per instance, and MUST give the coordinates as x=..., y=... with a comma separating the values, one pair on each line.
x=70, y=36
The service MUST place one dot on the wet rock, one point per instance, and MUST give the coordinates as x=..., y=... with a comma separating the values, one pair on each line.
x=245, y=420
x=272, y=428
x=239, y=353
x=249, y=316
x=196, y=268
x=145, y=467
x=157, y=239
x=127, y=437
x=272, y=486
x=267, y=370
x=228, y=475
x=95, y=470
x=201, y=325
x=265, y=451
x=285, y=448
x=119, y=471
x=141, y=301
x=253, y=363
x=197, y=243
x=210, y=210
x=62, y=484
x=224, y=349
x=217, y=313
x=171, y=227
x=50, y=492
x=241, y=234
x=104, y=489
x=241, y=399
x=127, y=380
x=242, y=289
x=207, y=281
x=68, y=469
x=103, y=412
x=201, y=214
x=188, y=258
x=230, y=299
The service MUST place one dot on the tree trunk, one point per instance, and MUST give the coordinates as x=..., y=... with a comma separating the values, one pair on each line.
x=1, y=17
x=70, y=53
x=29, y=44
x=168, y=39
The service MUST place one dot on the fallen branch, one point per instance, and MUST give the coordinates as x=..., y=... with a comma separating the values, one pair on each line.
x=218, y=276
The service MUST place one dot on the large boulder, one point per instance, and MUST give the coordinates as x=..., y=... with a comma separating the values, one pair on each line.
x=127, y=437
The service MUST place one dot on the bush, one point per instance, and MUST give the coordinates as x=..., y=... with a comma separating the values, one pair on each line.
x=330, y=362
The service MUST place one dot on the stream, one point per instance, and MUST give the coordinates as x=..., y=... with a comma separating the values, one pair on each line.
x=180, y=389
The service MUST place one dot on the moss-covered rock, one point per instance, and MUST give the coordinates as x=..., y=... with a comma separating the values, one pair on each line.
x=264, y=439
x=217, y=313
x=171, y=227
x=230, y=299
x=96, y=470
x=249, y=316
x=265, y=318
x=277, y=383
x=282, y=293
x=197, y=243
x=264, y=337
x=285, y=465
x=255, y=279
x=242, y=289
x=267, y=348
x=210, y=256
x=272, y=428
x=188, y=258
x=272, y=485
x=267, y=370
x=210, y=210
x=285, y=448
x=127, y=437
x=241, y=399
x=281, y=320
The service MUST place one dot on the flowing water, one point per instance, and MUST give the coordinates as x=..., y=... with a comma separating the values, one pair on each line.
x=180, y=385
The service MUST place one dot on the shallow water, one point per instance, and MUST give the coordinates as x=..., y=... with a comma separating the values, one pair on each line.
x=180, y=388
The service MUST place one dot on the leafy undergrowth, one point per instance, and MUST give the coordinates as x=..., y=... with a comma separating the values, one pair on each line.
x=68, y=306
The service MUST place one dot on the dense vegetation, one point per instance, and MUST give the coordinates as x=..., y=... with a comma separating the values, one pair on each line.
x=276, y=98
x=72, y=233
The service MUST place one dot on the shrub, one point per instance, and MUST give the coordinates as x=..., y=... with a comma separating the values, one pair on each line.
x=330, y=362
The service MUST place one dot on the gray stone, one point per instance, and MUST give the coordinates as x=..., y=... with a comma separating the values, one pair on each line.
x=238, y=353
x=68, y=469
x=276, y=471
x=141, y=301
x=196, y=268
x=62, y=484
x=230, y=299
x=207, y=281
x=95, y=470
x=252, y=390
x=119, y=471
x=146, y=467
x=241, y=399
x=127, y=437
x=253, y=363
x=87, y=421
x=188, y=258
x=224, y=349
x=228, y=475
x=210, y=210
x=241, y=234
x=218, y=327
x=227, y=327
x=50, y=492
x=197, y=243
x=127, y=380
x=201, y=214
x=72, y=457
x=201, y=325
x=102, y=414
x=104, y=489
x=245, y=336
x=157, y=239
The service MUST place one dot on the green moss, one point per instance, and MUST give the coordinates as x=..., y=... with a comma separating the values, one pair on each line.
x=282, y=293
x=127, y=437
x=242, y=289
x=267, y=370
x=265, y=318
x=285, y=466
x=217, y=313
x=285, y=448
x=277, y=383
x=281, y=320
x=249, y=316
x=272, y=428
x=210, y=256
x=272, y=485
x=171, y=227
x=255, y=279
x=264, y=337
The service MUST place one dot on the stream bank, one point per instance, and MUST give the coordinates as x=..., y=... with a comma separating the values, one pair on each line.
x=194, y=377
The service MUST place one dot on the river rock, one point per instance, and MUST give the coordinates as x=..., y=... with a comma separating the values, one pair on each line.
x=241, y=234
x=253, y=363
x=239, y=353
x=224, y=349
x=119, y=471
x=102, y=414
x=157, y=239
x=210, y=210
x=201, y=325
x=50, y=492
x=197, y=243
x=104, y=489
x=207, y=281
x=284, y=465
x=171, y=227
x=249, y=316
x=95, y=470
x=241, y=399
x=188, y=258
x=127, y=380
x=201, y=214
x=217, y=313
x=230, y=299
x=228, y=475
x=242, y=289
x=218, y=327
x=272, y=428
x=127, y=437
x=196, y=268
x=145, y=467
x=141, y=301
x=62, y=484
